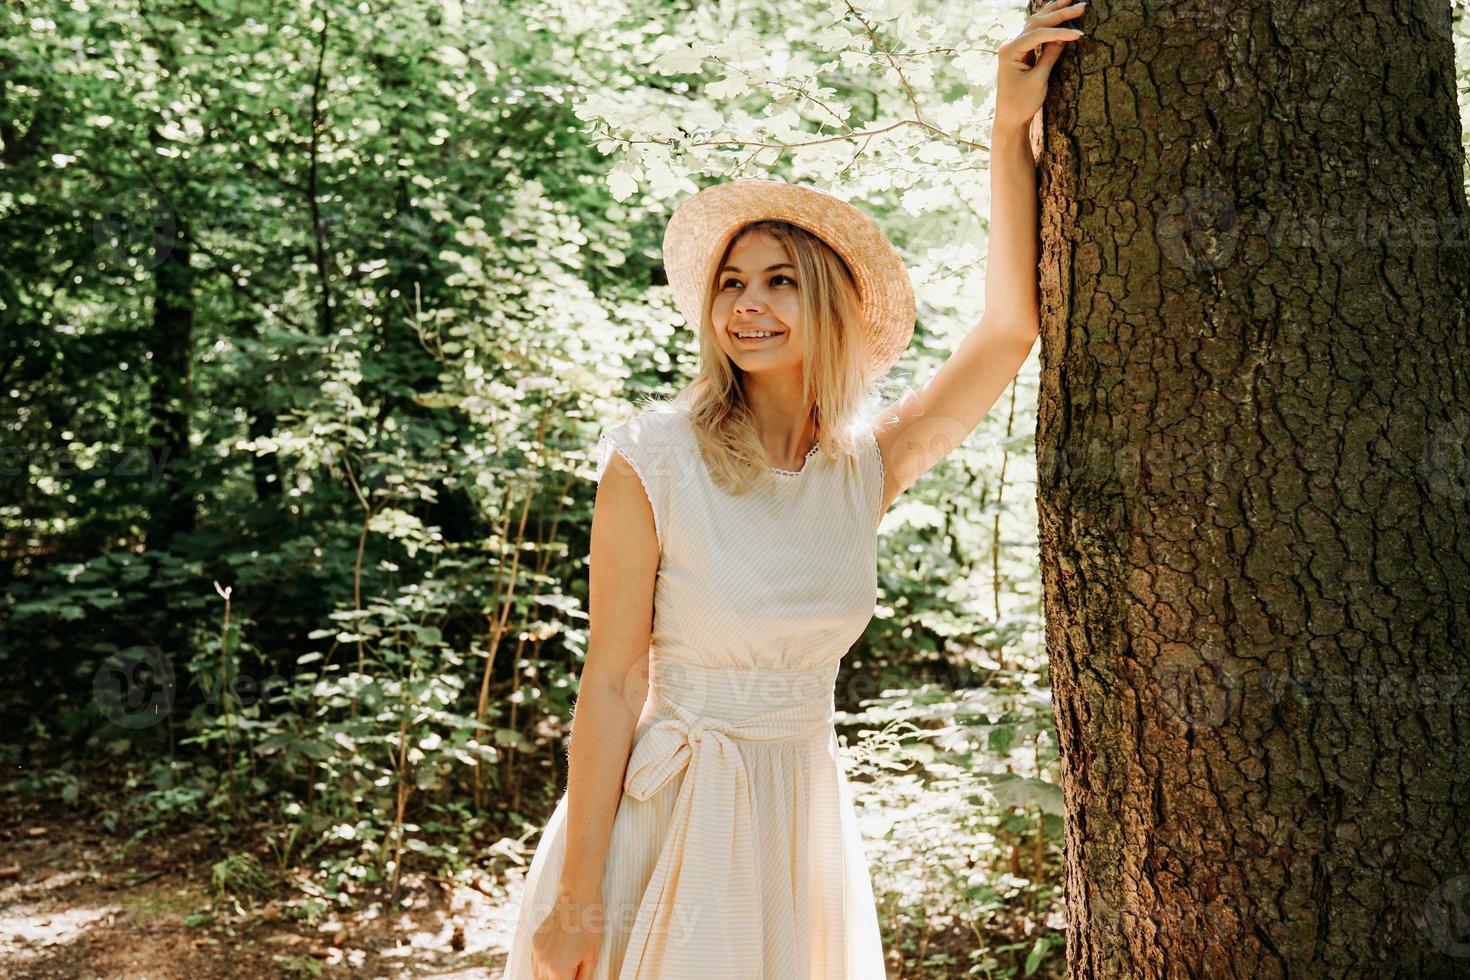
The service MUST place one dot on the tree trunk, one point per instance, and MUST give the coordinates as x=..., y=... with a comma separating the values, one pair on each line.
x=172, y=511
x=1254, y=498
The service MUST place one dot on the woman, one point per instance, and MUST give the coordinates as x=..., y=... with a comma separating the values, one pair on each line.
x=707, y=832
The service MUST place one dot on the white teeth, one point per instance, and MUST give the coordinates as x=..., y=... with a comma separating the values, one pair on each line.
x=753, y=336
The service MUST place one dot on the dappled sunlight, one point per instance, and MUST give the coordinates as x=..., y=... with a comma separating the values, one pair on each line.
x=80, y=904
x=27, y=935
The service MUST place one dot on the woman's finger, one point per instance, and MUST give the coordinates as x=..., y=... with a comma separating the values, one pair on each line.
x=1048, y=57
x=1044, y=18
x=1046, y=13
x=1019, y=46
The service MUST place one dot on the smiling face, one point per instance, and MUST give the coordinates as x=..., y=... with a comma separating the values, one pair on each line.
x=757, y=291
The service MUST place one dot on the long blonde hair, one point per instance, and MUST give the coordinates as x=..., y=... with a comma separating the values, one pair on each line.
x=836, y=377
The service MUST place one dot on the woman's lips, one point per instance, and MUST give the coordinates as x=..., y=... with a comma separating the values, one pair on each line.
x=756, y=341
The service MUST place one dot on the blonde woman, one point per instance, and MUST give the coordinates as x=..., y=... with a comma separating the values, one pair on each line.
x=707, y=832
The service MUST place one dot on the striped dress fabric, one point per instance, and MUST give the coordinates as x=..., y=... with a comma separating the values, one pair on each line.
x=735, y=852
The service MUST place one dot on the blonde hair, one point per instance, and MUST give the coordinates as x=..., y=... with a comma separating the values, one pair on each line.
x=836, y=370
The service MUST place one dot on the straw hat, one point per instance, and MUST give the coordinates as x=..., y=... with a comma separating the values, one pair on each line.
x=704, y=223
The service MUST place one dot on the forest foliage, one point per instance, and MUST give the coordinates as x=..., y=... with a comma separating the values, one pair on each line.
x=310, y=316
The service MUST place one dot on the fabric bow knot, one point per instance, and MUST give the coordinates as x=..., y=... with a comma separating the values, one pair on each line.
x=668, y=748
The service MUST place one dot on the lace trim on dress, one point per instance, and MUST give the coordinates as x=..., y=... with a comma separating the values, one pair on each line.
x=805, y=459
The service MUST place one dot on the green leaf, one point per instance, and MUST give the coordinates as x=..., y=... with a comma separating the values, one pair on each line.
x=1033, y=959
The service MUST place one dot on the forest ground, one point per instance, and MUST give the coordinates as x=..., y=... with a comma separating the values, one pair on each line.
x=77, y=901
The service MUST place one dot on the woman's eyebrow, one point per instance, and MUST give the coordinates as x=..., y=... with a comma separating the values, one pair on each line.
x=769, y=268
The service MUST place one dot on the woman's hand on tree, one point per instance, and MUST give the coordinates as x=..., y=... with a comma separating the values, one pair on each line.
x=1026, y=60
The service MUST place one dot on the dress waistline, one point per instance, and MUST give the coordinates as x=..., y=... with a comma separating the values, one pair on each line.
x=735, y=694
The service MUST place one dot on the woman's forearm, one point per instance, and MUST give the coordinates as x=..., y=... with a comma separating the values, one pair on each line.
x=1012, y=265
x=603, y=722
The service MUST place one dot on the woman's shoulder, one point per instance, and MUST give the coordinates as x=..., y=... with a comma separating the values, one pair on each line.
x=665, y=414
x=646, y=419
x=657, y=440
x=659, y=425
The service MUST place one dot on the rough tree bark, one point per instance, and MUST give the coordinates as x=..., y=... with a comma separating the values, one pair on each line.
x=1254, y=503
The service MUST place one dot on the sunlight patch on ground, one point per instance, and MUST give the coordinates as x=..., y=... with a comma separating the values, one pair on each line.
x=500, y=920
x=24, y=937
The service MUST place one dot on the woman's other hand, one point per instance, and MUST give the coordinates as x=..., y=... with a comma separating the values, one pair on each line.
x=565, y=944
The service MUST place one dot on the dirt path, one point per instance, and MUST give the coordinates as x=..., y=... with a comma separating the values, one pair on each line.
x=78, y=902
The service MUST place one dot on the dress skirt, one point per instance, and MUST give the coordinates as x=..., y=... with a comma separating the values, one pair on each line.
x=735, y=852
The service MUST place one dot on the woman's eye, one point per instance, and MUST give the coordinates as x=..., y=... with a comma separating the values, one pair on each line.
x=775, y=281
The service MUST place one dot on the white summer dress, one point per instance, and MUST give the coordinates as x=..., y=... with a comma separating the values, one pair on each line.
x=735, y=852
